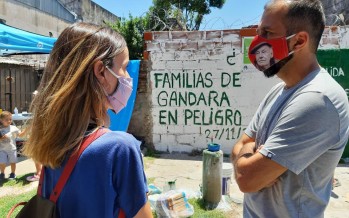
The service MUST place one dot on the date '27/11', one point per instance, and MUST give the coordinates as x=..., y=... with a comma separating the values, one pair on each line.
x=224, y=133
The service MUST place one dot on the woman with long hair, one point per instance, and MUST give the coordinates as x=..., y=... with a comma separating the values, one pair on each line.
x=84, y=77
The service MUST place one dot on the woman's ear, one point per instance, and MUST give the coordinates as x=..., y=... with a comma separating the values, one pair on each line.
x=98, y=70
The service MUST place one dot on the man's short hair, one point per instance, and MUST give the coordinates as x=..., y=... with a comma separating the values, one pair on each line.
x=305, y=15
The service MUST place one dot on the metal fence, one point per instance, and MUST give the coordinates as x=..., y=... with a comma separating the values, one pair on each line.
x=16, y=87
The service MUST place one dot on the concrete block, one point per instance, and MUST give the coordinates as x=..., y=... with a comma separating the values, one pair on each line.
x=192, y=64
x=325, y=43
x=159, y=89
x=201, y=141
x=231, y=50
x=158, y=129
x=221, y=64
x=158, y=64
x=156, y=138
x=182, y=148
x=185, y=139
x=207, y=64
x=195, y=35
x=173, y=46
x=184, y=55
x=174, y=65
x=214, y=35
x=161, y=36
x=208, y=45
x=179, y=35
x=216, y=54
x=178, y=130
x=168, y=139
x=157, y=55
x=161, y=147
x=187, y=35
x=231, y=35
x=329, y=42
x=192, y=129
x=153, y=46
x=201, y=54
x=190, y=46
x=344, y=39
x=218, y=44
x=227, y=46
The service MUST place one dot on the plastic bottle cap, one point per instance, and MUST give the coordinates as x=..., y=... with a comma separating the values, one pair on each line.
x=213, y=147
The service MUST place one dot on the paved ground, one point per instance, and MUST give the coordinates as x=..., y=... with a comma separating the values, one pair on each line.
x=186, y=171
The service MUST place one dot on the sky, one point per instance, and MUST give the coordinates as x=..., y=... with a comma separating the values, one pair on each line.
x=234, y=14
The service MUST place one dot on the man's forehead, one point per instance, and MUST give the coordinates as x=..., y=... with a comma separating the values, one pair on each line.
x=278, y=8
x=273, y=17
x=273, y=3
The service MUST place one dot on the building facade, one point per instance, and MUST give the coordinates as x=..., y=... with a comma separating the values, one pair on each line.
x=20, y=74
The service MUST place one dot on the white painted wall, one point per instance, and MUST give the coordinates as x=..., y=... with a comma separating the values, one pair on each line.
x=216, y=56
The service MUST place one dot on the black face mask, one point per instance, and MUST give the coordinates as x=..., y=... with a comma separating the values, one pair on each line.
x=275, y=68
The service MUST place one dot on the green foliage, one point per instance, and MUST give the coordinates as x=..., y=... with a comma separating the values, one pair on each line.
x=180, y=14
x=150, y=153
x=164, y=15
x=199, y=210
x=18, y=182
x=7, y=202
x=132, y=30
x=150, y=180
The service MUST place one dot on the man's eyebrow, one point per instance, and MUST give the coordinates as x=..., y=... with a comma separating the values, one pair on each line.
x=264, y=28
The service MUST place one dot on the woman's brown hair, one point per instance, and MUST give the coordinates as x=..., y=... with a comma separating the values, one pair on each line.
x=70, y=96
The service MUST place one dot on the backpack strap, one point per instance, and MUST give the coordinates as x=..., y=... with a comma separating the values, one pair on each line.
x=121, y=214
x=14, y=207
x=70, y=165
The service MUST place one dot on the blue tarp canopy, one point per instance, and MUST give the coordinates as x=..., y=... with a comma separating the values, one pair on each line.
x=121, y=120
x=16, y=41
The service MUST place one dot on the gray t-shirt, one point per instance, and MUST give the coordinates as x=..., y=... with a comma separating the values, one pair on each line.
x=305, y=129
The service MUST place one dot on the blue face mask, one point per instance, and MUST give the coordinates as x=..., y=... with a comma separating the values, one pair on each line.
x=119, y=98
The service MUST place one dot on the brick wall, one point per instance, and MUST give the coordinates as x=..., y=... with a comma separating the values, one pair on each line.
x=198, y=87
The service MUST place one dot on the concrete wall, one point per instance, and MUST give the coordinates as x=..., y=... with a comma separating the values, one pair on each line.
x=30, y=19
x=92, y=12
x=24, y=17
x=88, y=11
x=201, y=87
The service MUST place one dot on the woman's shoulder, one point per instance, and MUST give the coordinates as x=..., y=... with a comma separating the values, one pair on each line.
x=122, y=136
x=119, y=139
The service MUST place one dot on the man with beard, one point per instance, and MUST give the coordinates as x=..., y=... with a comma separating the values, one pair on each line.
x=285, y=160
